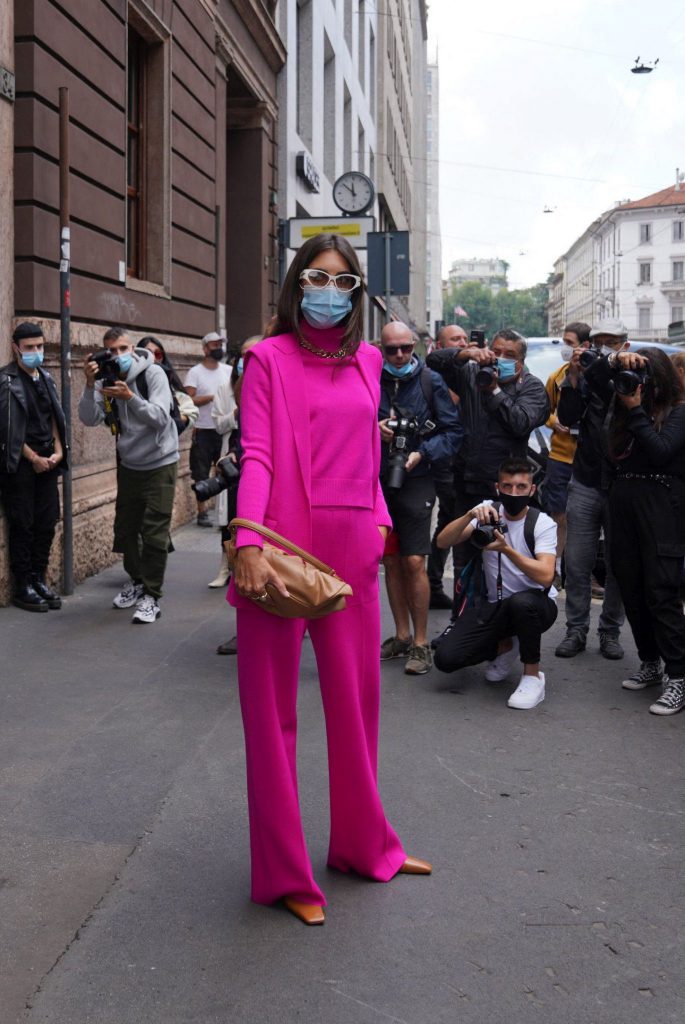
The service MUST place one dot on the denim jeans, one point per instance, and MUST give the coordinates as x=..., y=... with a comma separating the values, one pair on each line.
x=587, y=514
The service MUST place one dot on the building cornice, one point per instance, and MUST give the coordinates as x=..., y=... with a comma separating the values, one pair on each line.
x=262, y=29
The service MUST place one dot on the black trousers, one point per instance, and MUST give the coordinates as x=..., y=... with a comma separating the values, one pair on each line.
x=477, y=633
x=31, y=502
x=444, y=490
x=647, y=548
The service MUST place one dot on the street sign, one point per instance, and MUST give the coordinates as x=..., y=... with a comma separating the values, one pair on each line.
x=388, y=270
x=354, y=229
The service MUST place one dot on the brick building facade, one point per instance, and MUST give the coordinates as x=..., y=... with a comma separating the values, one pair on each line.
x=173, y=192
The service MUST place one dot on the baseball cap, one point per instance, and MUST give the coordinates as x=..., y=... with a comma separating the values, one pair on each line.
x=212, y=336
x=610, y=326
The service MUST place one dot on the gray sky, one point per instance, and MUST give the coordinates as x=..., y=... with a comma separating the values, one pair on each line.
x=535, y=86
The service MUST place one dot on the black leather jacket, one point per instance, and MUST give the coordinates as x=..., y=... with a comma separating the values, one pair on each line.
x=13, y=416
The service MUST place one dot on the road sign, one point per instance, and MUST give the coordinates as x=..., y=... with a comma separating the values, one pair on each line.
x=388, y=269
x=354, y=229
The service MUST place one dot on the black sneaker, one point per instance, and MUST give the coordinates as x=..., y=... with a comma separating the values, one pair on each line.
x=672, y=700
x=609, y=647
x=649, y=674
x=572, y=644
x=439, y=599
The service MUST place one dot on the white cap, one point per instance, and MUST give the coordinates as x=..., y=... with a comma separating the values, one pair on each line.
x=212, y=336
x=610, y=326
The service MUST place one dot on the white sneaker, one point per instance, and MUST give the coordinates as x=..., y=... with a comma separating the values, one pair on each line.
x=529, y=693
x=500, y=668
x=147, y=610
x=130, y=595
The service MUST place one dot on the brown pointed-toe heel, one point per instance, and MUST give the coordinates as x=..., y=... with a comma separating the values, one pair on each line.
x=414, y=866
x=308, y=913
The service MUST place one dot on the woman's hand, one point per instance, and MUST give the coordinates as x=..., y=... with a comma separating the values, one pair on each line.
x=252, y=572
x=632, y=401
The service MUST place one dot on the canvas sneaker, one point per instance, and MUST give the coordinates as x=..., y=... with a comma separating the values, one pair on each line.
x=649, y=674
x=420, y=660
x=147, y=610
x=672, y=700
x=130, y=595
x=500, y=668
x=393, y=647
x=529, y=693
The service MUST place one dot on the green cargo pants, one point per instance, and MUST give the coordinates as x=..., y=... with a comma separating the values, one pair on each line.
x=145, y=501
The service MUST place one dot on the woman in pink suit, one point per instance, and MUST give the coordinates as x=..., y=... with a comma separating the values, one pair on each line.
x=310, y=471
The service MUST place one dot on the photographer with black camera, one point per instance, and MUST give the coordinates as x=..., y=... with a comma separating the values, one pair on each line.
x=518, y=550
x=583, y=406
x=644, y=439
x=139, y=415
x=420, y=428
x=500, y=403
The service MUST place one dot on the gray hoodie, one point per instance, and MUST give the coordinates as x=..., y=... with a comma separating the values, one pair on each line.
x=148, y=437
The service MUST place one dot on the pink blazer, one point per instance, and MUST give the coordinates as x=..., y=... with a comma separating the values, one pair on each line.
x=275, y=482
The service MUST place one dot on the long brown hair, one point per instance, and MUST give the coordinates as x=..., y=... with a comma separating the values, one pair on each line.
x=288, y=313
x=661, y=394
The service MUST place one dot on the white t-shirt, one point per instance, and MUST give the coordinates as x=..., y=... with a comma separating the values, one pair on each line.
x=513, y=579
x=206, y=382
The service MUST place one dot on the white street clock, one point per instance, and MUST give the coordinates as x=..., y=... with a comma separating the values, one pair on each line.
x=353, y=192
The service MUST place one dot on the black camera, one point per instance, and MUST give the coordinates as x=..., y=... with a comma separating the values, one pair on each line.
x=406, y=431
x=477, y=338
x=626, y=382
x=484, y=533
x=486, y=375
x=108, y=368
x=587, y=357
x=226, y=476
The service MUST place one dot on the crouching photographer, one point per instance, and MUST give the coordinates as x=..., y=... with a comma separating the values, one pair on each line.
x=420, y=428
x=517, y=546
x=645, y=442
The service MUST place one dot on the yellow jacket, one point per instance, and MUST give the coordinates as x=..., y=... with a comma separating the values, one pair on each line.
x=563, y=446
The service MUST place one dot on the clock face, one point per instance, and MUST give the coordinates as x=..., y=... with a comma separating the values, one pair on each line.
x=353, y=192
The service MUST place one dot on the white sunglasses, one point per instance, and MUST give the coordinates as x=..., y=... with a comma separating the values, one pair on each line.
x=320, y=279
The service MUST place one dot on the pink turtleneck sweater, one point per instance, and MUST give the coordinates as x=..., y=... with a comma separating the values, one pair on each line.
x=341, y=411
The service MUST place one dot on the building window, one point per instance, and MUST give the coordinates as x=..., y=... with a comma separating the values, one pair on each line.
x=304, y=72
x=645, y=233
x=148, y=155
x=644, y=318
x=135, y=157
x=677, y=274
x=676, y=314
x=678, y=230
x=645, y=273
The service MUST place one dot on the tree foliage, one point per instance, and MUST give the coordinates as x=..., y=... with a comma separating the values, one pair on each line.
x=523, y=309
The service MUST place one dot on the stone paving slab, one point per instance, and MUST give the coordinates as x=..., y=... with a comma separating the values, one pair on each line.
x=556, y=835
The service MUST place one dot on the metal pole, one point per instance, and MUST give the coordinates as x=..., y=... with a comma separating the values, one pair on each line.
x=65, y=338
x=217, y=265
x=282, y=240
x=388, y=248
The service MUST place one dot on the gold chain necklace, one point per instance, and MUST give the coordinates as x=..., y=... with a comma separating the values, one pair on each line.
x=340, y=353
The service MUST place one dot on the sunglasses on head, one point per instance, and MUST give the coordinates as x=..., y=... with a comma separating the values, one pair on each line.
x=392, y=350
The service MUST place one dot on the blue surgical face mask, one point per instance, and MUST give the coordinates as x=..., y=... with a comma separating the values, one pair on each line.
x=239, y=367
x=399, y=371
x=325, y=307
x=125, y=361
x=32, y=360
x=506, y=368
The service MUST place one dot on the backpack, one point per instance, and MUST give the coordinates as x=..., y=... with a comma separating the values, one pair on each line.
x=175, y=410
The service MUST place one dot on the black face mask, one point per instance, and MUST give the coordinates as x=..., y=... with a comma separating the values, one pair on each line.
x=514, y=503
x=216, y=353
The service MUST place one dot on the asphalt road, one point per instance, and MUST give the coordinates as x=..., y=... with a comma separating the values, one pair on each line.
x=556, y=836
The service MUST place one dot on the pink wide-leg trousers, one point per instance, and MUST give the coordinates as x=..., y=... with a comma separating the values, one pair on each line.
x=346, y=645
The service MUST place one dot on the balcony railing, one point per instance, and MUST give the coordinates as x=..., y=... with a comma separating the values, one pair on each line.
x=670, y=286
x=649, y=334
